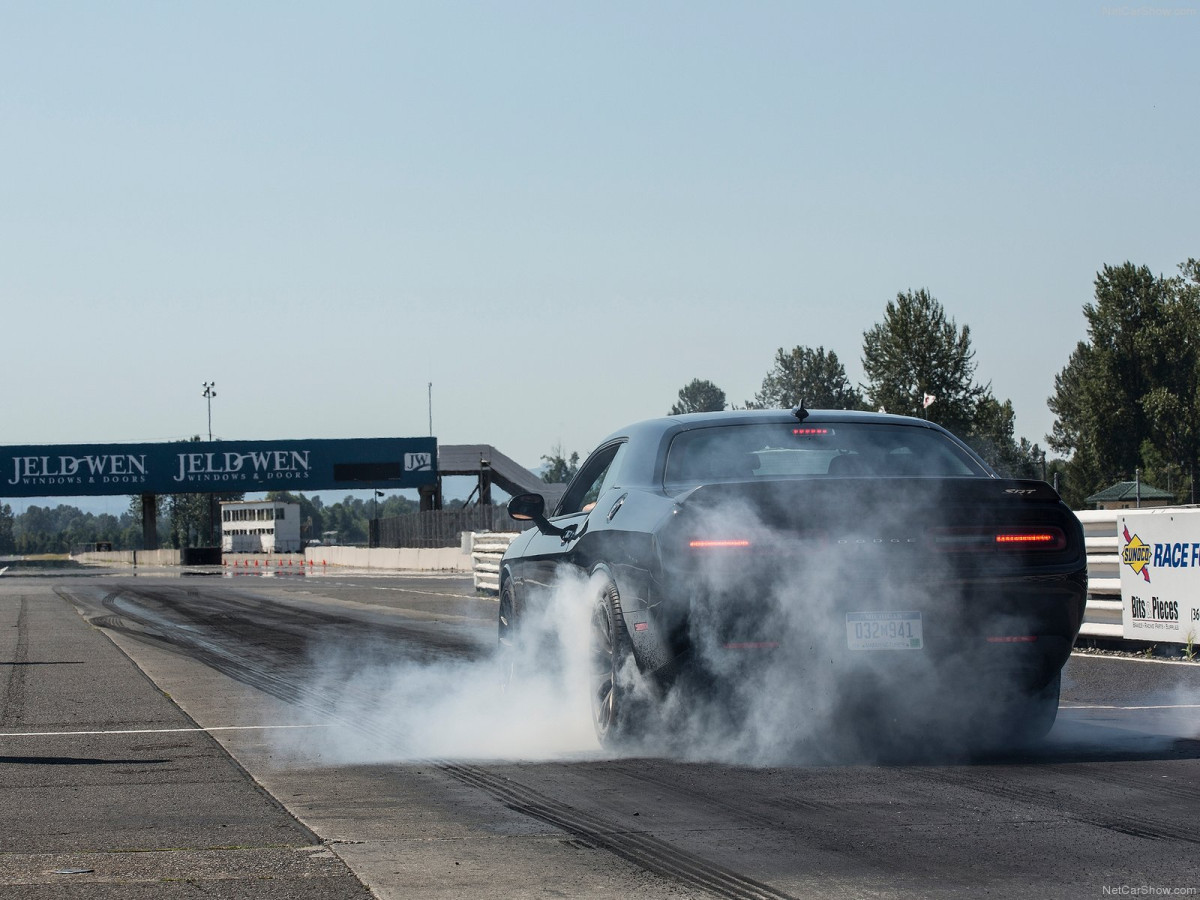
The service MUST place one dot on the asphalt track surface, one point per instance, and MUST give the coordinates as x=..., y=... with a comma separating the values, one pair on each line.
x=213, y=737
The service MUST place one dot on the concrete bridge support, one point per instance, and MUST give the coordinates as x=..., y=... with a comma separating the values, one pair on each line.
x=149, y=522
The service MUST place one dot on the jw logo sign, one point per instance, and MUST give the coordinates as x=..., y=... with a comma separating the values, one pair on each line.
x=418, y=462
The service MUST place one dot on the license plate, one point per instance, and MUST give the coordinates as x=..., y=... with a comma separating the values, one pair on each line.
x=884, y=631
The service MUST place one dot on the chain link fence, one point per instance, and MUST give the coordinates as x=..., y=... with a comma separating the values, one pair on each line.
x=440, y=527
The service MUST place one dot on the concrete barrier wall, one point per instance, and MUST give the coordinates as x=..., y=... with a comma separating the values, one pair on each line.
x=129, y=558
x=404, y=559
x=439, y=559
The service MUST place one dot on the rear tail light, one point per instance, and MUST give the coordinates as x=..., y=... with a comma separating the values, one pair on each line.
x=1031, y=539
x=721, y=543
x=951, y=540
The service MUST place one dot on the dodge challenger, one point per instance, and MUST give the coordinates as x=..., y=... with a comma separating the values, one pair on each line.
x=839, y=548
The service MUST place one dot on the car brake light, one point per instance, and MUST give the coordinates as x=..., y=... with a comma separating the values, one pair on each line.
x=719, y=543
x=960, y=539
x=810, y=431
x=1032, y=539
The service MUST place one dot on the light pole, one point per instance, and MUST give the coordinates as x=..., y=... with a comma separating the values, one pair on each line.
x=209, y=393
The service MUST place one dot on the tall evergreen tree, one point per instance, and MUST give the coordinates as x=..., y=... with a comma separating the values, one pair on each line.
x=815, y=377
x=1128, y=394
x=8, y=543
x=917, y=352
x=919, y=362
x=559, y=468
x=698, y=395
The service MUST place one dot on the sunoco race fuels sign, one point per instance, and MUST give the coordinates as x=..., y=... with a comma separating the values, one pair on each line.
x=78, y=470
x=1160, y=575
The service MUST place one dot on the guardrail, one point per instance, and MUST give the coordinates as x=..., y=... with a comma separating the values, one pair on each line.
x=1102, y=618
x=487, y=547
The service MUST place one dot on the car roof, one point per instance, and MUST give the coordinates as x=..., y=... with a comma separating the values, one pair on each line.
x=688, y=421
x=646, y=438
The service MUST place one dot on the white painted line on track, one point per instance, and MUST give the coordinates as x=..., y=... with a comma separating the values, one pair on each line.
x=11, y=734
x=1064, y=707
x=1135, y=659
x=403, y=590
x=380, y=587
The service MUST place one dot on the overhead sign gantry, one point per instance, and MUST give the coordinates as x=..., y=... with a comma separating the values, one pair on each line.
x=207, y=467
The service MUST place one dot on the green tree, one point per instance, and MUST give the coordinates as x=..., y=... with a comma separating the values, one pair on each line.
x=189, y=516
x=397, y=505
x=312, y=522
x=8, y=543
x=814, y=377
x=992, y=435
x=349, y=519
x=1128, y=394
x=61, y=529
x=1172, y=406
x=920, y=362
x=697, y=396
x=559, y=469
x=915, y=352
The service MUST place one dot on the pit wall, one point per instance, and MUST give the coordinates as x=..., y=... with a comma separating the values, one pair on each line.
x=404, y=559
x=409, y=559
x=129, y=558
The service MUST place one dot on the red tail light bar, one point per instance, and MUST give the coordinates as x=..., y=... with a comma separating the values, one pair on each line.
x=1053, y=539
x=1042, y=537
x=730, y=542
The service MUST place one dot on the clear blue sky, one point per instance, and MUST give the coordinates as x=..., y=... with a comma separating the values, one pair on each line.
x=558, y=213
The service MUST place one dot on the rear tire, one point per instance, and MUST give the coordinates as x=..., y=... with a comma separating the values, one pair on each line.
x=506, y=636
x=618, y=715
x=1024, y=720
x=1041, y=711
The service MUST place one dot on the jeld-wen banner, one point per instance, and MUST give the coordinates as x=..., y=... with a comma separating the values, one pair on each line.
x=1160, y=574
x=78, y=470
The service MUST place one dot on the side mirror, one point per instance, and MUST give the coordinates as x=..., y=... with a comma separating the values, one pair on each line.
x=527, y=507
x=532, y=508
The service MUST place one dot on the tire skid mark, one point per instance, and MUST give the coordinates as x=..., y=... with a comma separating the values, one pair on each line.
x=147, y=628
x=275, y=667
x=787, y=804
x=14, y=688
x=640, y=848
x=1089, y=814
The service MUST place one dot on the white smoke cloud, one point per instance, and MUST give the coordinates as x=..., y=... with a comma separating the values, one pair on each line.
x=805, y=700
x=394, y=709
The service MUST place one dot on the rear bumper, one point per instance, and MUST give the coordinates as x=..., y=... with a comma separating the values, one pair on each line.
x=1014, y=630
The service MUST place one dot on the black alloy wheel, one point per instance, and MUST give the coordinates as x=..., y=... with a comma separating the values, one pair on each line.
x=615, y=713
x=506, y=635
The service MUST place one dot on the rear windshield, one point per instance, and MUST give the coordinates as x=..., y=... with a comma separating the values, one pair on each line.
x=785, y=450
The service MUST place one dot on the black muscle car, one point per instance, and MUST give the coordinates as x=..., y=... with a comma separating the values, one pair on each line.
x=838, y=548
